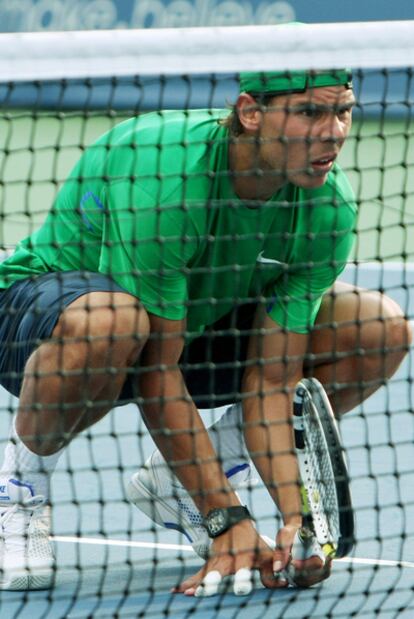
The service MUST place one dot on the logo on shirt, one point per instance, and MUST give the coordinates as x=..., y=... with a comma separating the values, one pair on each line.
x=263, y=260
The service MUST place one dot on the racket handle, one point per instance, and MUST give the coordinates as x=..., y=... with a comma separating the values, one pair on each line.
x=305, y=545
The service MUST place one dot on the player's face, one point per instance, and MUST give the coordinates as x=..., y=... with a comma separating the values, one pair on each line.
x=301, y=134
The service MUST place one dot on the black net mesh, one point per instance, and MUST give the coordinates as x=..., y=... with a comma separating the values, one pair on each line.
x=127, y=198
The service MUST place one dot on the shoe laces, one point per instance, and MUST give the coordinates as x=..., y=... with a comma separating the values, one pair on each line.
x=15, y=521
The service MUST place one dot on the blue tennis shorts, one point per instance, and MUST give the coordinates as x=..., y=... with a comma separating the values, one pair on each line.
x=29, y=311
x=212, y=364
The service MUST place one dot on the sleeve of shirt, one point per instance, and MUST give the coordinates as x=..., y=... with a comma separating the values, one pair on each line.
x=146, y=248
x=297, y=295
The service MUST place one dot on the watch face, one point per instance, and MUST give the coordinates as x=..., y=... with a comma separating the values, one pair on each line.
x=217, y=521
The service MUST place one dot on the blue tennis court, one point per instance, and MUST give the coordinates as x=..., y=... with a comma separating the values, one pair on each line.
x=113, y=563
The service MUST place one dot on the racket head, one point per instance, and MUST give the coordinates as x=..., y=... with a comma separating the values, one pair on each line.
x=327, y=498
x=337, y=454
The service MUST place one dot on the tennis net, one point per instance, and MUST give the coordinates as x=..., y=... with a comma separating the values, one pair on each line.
x=59, y=93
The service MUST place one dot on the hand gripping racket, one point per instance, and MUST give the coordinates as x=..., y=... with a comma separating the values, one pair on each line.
x=326, y=496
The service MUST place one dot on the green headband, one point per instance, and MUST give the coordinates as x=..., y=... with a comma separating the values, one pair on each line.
x=293, y=81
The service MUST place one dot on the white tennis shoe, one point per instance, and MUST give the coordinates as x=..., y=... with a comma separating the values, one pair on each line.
x=27, y=560
x=158, y=494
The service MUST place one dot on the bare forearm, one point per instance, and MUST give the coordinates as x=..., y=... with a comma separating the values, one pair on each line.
x=180, y=434
x=270, y=441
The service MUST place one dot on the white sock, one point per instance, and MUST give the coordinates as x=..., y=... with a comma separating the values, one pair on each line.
x=226, y=434
x=24, y=465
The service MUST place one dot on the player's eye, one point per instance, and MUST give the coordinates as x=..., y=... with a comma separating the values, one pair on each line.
x=317, y=112
x=344, y=112
x=311, y=111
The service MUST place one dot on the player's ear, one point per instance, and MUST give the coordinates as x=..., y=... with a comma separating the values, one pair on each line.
x=249, y=112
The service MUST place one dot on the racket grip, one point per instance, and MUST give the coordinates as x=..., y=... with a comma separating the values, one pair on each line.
x=305, y=545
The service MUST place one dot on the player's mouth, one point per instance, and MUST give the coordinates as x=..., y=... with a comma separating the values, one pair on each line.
x=324, y=164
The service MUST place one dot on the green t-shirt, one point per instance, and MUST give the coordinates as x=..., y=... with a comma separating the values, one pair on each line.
x=151, y=203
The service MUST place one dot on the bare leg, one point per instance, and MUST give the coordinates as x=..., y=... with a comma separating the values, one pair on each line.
x=72, y=380
x=359, y=340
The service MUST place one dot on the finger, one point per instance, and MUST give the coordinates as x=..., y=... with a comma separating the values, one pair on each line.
x=263, y=561
x=271, y=580
x=281, y=554
x=305, y=547
x=280, y=558
x=209, y=586
x=313, y=563
x=243, y=581
x=312, y=572
x=243, y=571
x=190, y=582
x=304, y=573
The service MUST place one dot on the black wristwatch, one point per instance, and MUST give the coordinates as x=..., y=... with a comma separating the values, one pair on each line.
x=220, y=520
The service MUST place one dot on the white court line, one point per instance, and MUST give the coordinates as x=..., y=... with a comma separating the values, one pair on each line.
x=382, y=562
x=96, y=541
x=184, y=548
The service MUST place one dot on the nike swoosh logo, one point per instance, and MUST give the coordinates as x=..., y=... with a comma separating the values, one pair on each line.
x=263, y=260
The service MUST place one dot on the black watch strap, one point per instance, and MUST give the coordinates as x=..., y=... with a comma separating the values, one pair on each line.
x=220, y=520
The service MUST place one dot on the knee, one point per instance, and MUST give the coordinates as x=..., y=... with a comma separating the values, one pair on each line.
x=397, y=330
x=382, y=326
x=352, y=319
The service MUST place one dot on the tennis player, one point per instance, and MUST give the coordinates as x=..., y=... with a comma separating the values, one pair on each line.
x=172, y=229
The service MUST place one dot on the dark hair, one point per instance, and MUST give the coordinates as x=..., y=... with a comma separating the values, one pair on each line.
x=232, y=121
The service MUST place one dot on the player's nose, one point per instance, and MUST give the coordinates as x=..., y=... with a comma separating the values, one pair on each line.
x=333, y=129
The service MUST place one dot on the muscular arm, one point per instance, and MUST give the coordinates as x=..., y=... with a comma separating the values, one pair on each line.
x=268, y=389
x=174, y=421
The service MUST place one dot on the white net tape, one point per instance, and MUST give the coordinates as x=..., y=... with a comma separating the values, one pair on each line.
x=205, y=50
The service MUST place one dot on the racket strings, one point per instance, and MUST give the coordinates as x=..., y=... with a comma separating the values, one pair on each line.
x=318, y=475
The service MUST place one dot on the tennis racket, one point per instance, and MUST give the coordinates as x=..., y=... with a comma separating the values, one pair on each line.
x=326, y=497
